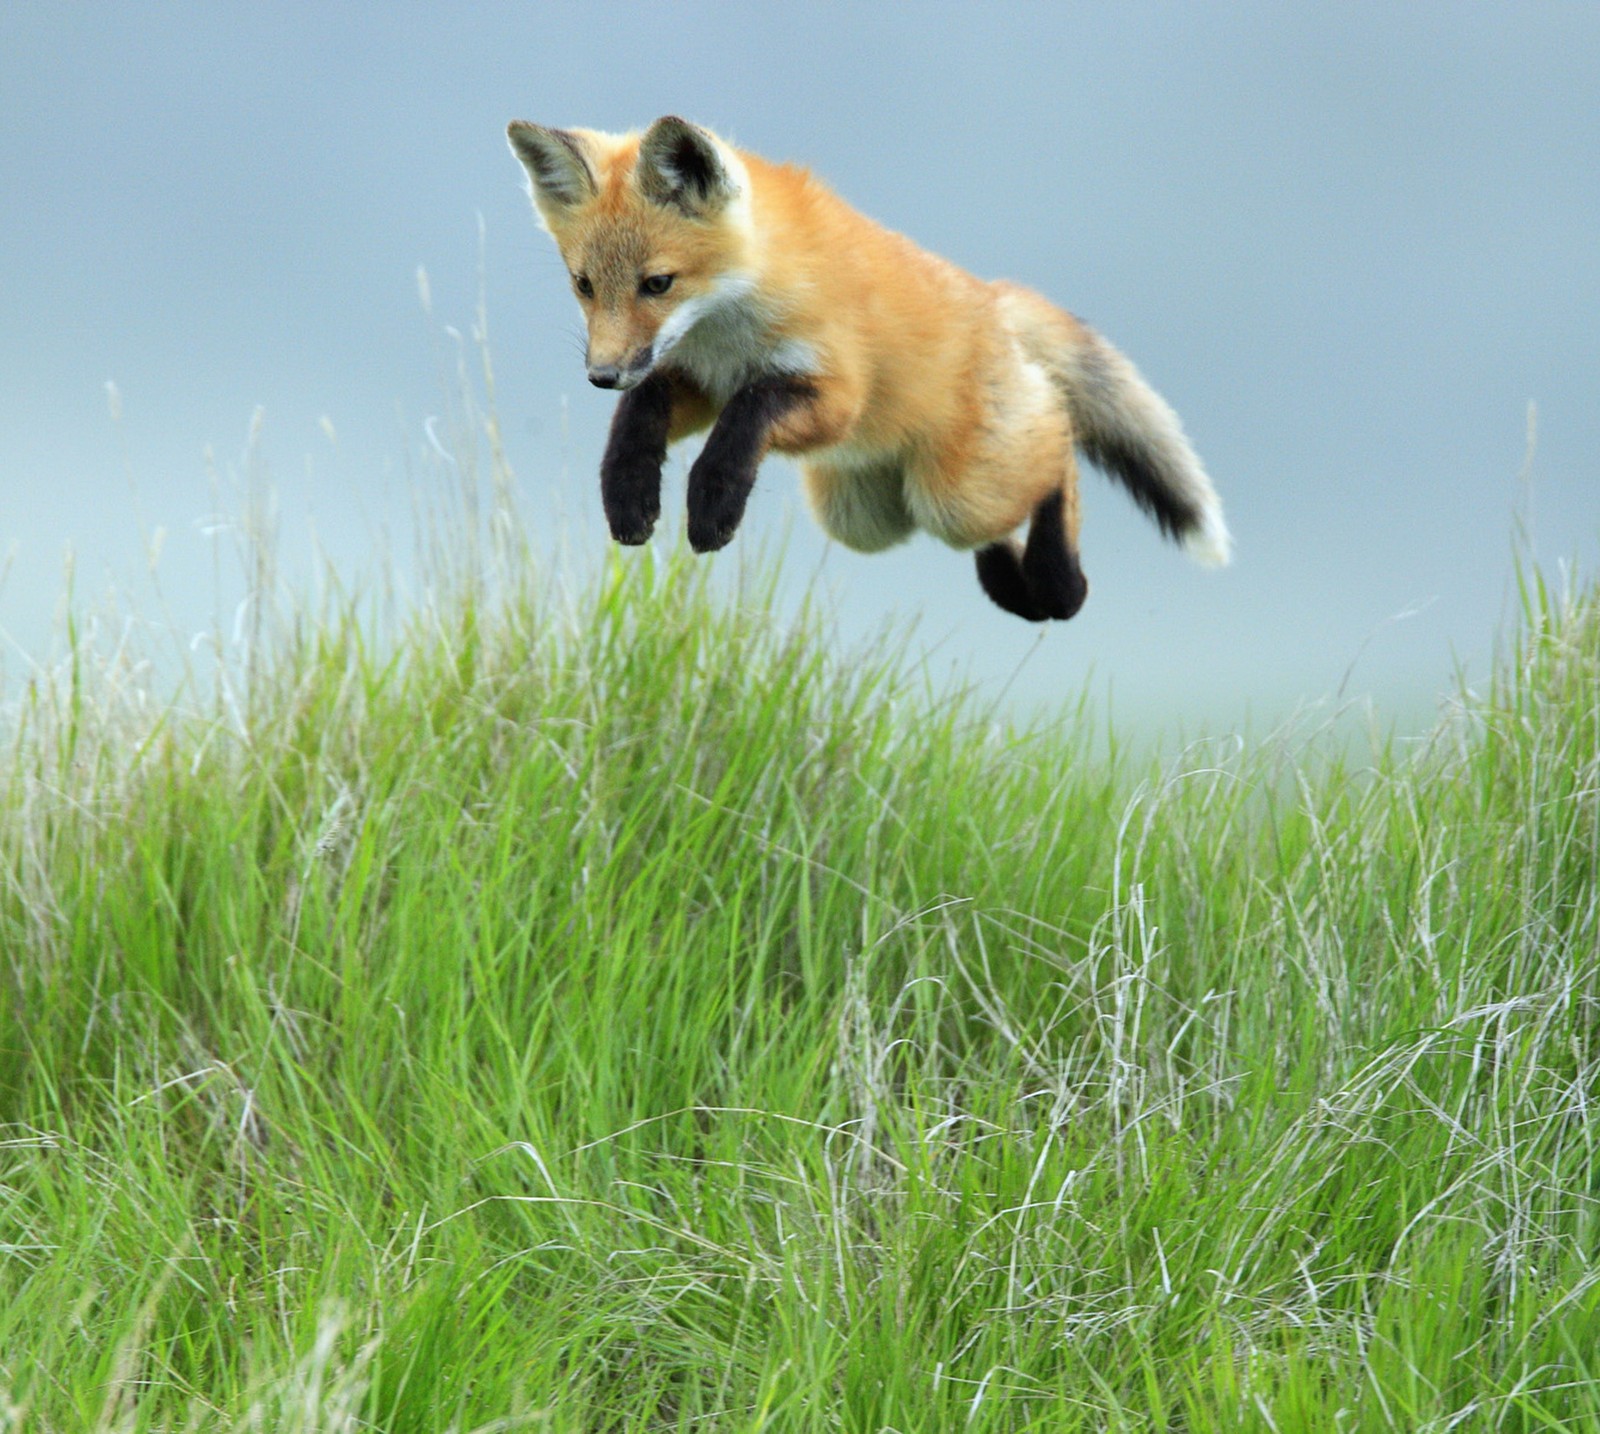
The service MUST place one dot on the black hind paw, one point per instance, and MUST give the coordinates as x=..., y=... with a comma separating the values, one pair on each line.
x=1000, y=573
x=1042, y=580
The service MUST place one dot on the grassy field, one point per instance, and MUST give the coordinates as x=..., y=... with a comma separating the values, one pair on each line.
x=635, y=1018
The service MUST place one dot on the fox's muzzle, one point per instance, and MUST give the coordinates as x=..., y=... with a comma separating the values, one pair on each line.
x=610, y=375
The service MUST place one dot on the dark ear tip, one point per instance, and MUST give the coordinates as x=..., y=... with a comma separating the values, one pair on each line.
x=522, y=134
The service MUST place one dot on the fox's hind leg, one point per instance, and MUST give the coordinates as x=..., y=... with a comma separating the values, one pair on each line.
x=1016, y=465
x=1050, y=560
x=1044, y=579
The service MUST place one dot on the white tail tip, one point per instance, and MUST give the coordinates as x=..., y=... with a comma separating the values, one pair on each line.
x=1211, y=543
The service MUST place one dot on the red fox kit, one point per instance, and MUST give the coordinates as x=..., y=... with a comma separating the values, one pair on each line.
x=724, y=291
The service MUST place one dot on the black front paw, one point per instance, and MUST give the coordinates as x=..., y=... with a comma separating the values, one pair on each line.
x=715, y=510
x=724, y=473
x=630, y=472
x=631, y=513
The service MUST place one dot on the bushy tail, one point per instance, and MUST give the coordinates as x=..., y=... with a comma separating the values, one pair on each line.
x=1125, y=427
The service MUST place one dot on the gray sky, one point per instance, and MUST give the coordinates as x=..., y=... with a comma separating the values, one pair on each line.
x=1350, y=243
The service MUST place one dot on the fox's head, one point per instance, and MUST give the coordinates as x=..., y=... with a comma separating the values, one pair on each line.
x=654, y=230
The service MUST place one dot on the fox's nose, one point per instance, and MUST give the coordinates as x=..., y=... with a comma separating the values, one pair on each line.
x=605, y=375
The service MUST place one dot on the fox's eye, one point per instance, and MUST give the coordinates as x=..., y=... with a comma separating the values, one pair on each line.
x=584, y=286
x=656, y=284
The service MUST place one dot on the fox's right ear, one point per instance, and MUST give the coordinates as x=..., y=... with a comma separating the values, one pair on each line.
x=557, y=167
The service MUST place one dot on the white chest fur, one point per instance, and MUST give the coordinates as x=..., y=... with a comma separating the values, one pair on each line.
x=724, y=339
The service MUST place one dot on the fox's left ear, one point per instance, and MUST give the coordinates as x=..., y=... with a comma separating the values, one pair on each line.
x=682, y=165
x=556, y=164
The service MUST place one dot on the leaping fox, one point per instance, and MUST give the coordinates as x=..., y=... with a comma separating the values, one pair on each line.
x=723, y=290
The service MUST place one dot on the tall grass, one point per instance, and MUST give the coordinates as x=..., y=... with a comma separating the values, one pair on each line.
x=634, y=1017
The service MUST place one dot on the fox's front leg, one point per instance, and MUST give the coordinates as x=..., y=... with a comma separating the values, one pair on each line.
x=725, y=472
x=630, y=472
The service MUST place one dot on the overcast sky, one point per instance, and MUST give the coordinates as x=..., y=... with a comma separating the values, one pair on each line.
x=1349, y=243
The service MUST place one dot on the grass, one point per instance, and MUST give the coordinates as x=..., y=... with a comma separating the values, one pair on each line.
x=636, y=1018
